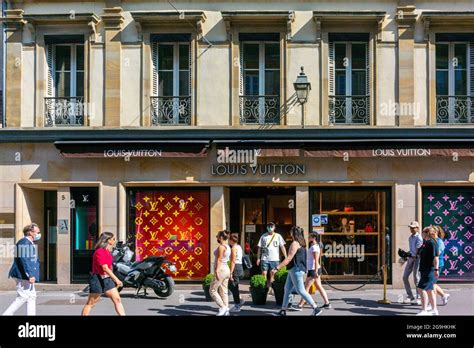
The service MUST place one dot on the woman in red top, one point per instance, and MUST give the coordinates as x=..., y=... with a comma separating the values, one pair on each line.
x=102, y=279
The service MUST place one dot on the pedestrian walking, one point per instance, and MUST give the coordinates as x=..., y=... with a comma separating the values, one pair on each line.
x=313, y=276
x=429, y=271
x=439, y=236
x=236, y=271
x=102, y=279
x=219, y=286
x=415, y=241
x=296, y=265
x=25, y=270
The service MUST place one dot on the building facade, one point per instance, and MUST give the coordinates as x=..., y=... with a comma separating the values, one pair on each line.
x=167, y=122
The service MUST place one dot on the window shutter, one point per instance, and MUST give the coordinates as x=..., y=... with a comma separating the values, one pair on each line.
x=155, y=80
x=50, y=60
x=471, y=80
x=190, y=70
x=331, y=73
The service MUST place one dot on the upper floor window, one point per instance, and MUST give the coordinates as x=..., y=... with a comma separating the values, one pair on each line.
x=171, y=100
x=454, y=82
x=64, y=103
x=260, y=79
x=349, y=89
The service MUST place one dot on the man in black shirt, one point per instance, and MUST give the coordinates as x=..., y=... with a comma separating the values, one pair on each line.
x=428, y=272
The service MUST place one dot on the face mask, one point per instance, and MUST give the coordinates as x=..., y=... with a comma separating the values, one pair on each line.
x=269, y=229
x=37, y=237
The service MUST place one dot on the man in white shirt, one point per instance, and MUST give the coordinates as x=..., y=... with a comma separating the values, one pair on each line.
x=269, y=246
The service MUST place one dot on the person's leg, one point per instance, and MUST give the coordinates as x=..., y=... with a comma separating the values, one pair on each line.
x=225, y=291
x=431, y=294
x=321, y=290
x=309, y=281
x=298, y=282
x=234, y=289
x=91, y=302
x=20, y=300
x=114, y=295
x=214, y=291
x=424, y=300
x=406, y=276
x=31, y=301
x=416, y=272
x=288, y=290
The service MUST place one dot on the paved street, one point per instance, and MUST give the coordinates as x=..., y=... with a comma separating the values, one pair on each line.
x=189, y=300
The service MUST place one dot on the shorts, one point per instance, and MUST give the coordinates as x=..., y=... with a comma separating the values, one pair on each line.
x=268, y=265
x=427, y=280
x=97, y=285
x=312, y=273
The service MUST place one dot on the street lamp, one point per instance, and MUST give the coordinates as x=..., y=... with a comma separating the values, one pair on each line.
x=302, y=88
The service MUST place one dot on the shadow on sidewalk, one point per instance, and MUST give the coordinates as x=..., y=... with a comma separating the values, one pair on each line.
x=371, y=307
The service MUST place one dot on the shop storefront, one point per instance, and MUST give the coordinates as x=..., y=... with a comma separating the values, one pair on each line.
x=170, y=198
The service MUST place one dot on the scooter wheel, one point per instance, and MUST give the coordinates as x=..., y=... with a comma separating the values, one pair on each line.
x=168, y=290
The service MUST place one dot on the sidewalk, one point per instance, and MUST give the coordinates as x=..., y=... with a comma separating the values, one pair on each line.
x=189, y=300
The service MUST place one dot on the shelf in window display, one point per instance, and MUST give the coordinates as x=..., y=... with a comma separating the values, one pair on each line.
x=348, y=233
x=349, y=212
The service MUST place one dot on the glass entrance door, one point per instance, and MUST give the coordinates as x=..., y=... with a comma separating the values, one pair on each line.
x=51, y=234
x=257, y=207
x=84, y=230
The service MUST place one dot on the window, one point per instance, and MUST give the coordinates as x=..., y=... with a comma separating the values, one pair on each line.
x=454, y=91
x=349, y=92
x=358, y=225
x=260, y=84
x=64, y=104
x=171, y=100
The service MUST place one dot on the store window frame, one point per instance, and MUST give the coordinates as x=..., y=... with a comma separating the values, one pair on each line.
x=385, y=238
x=129, y=233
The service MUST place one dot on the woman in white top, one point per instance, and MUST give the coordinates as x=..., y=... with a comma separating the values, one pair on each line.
x=236, y=271
x=218, y=289
x=314, y=271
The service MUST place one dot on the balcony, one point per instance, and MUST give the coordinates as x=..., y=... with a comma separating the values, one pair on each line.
x=454, y=109
x=260, y=109
x=64, y=111
x=171, y=110
x=344, y=109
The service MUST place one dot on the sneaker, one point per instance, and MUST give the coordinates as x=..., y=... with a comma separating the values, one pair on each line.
x=282, y=313
x=434, y=312
x=418, y=302
x=409, y=300
x=235, y=309
x=295, y=308
x=326, y=306
x=446, y=299
x=429, y=308
x=317, y=311
x=223, y=311
x=425, y=313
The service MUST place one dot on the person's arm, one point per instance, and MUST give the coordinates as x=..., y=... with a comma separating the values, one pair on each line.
x=291, y=253
x=25, y=260
x=436, y=258
x=108, y=271
x=259, y=252
x=316, y=263
x=233, y=258
x=419, y=244
x=220, y=255
x=282, y=246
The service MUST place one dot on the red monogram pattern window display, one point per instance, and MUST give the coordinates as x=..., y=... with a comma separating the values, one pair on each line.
x=174, y=224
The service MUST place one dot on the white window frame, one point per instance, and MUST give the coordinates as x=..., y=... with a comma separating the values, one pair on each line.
x=452, y=76
x=261, y=74
x=348, y=70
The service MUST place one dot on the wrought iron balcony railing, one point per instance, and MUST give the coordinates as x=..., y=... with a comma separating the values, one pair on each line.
x=353, y=109
x=259, y=109
x=64, y=111
x=171, y=110
x=454, y=109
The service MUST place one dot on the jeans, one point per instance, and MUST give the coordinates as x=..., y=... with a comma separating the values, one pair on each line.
x=234, y=285
x=219, y=288
x=411, y=267
x=25, y=293
x=295, y=280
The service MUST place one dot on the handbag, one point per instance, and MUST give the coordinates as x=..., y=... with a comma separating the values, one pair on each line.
x=246, y=262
